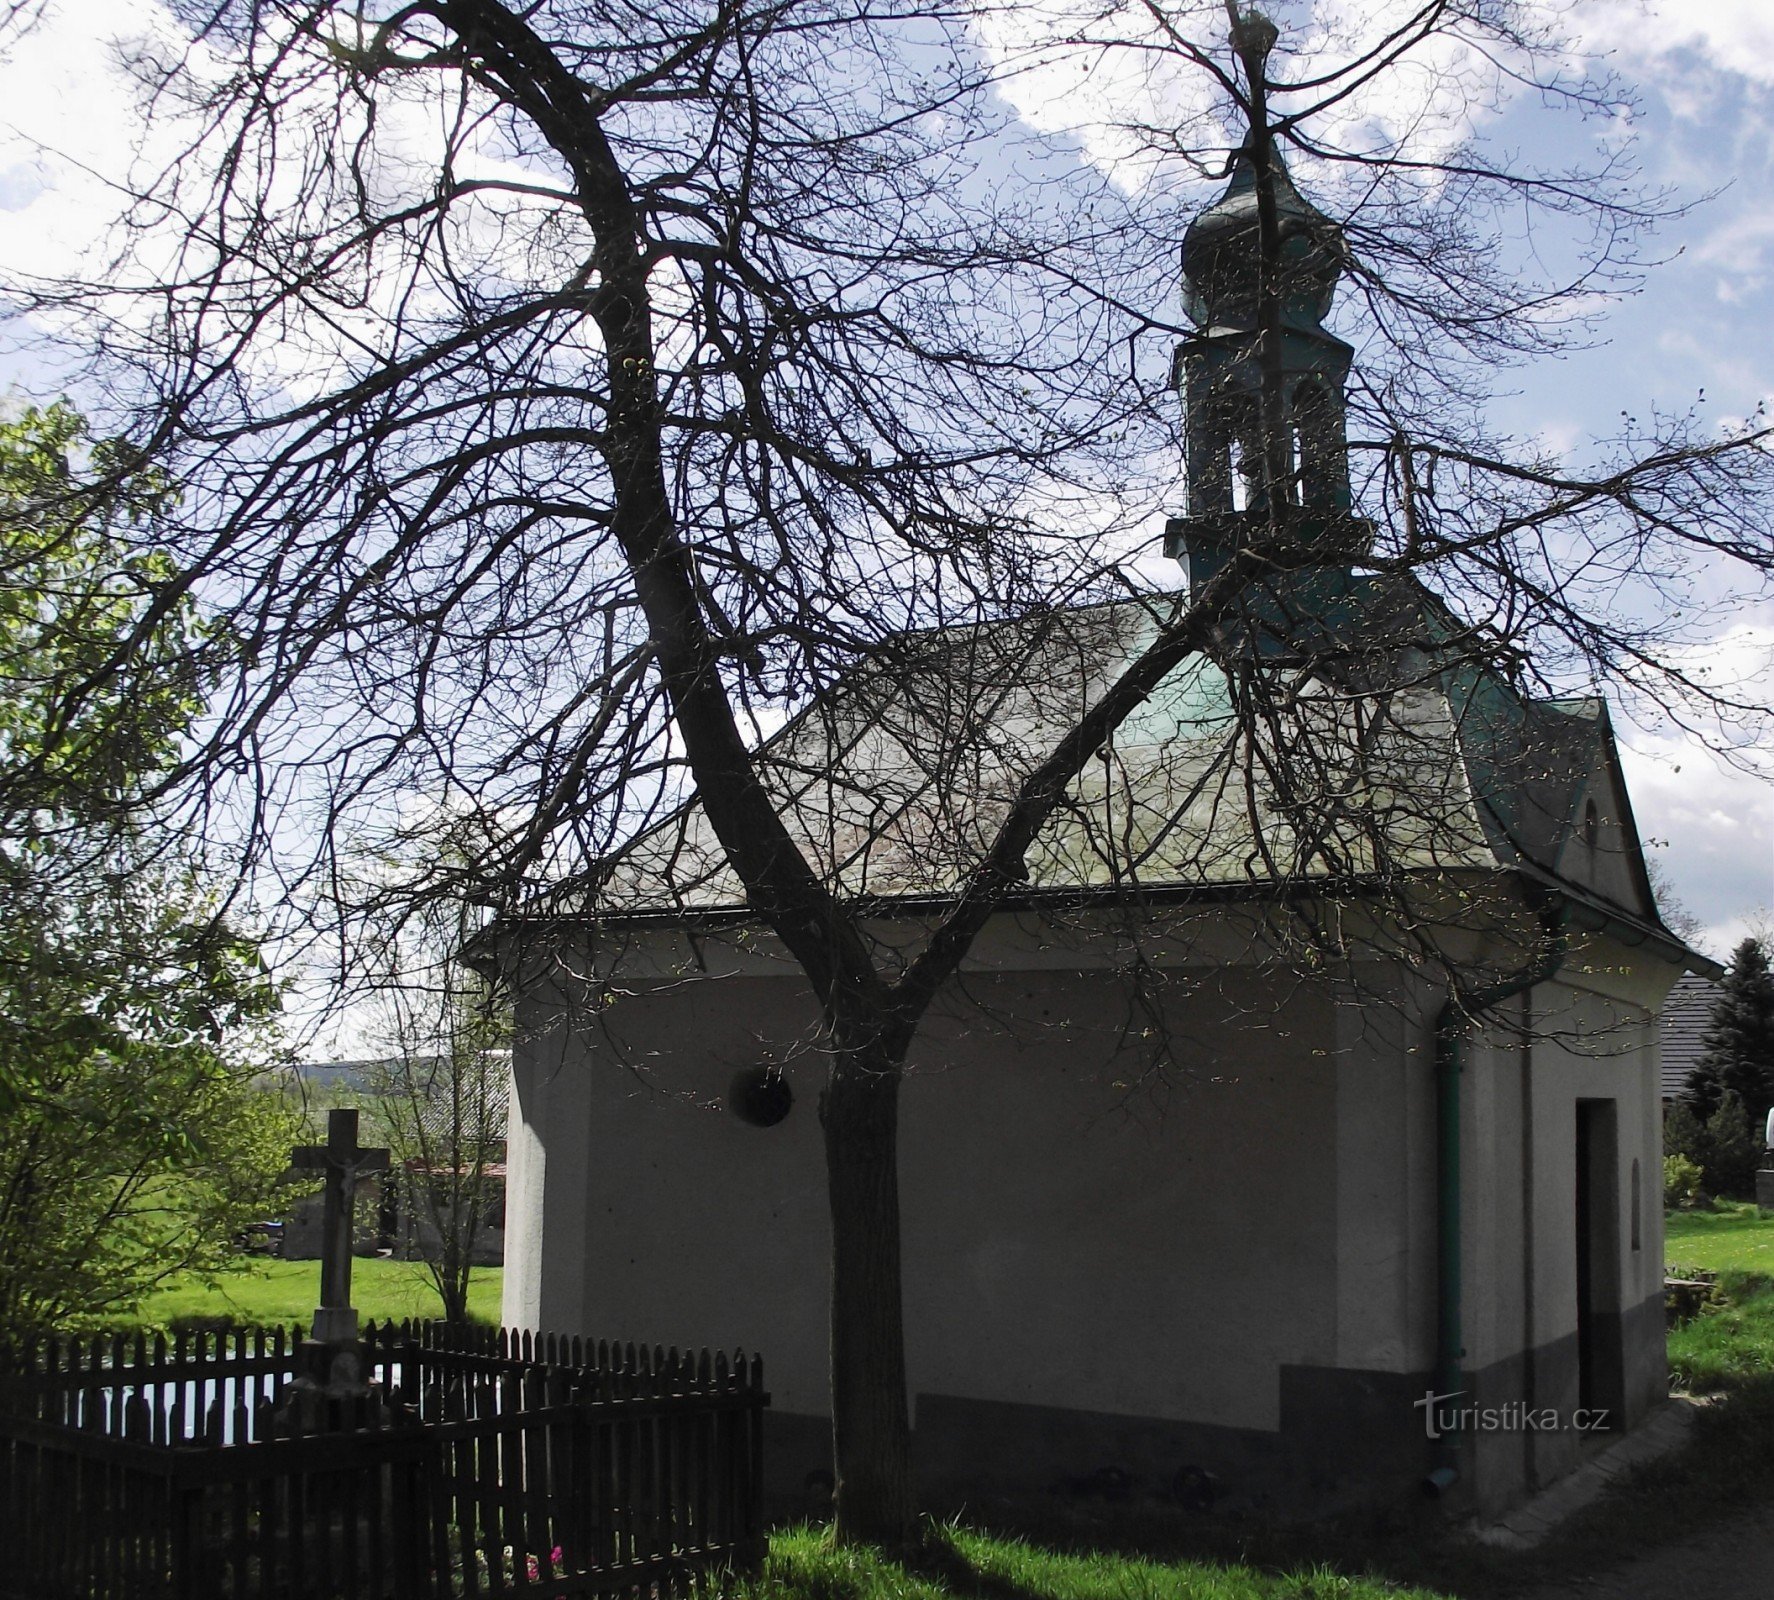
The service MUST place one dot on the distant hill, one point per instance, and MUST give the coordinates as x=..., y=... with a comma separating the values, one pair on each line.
x=367, y=1076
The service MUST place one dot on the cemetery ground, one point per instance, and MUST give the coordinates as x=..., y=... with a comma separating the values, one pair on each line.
x=1656, y=1533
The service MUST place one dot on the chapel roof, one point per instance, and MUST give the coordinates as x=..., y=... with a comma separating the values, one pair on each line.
x=894, y=783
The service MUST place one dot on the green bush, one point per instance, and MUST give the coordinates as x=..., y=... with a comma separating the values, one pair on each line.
x=1681, y=1182
x=1684, y=1134
x=1735, y=1151
x=1725, y=1148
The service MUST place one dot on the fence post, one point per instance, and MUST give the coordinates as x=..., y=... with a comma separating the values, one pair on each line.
x=754, y=1497
x=190, y=1577
x=410, y=1547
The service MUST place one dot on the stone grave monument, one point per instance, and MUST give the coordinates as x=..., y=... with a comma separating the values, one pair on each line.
x=331, y=1386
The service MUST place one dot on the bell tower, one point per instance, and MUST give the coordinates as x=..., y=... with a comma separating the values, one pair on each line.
x=1254, y=476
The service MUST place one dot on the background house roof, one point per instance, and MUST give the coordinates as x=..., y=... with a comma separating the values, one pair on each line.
x=1681, y=1025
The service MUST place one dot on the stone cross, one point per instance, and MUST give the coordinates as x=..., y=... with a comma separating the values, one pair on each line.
x=344, y=1162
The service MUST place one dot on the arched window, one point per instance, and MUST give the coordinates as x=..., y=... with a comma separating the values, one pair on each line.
x=1592, y=824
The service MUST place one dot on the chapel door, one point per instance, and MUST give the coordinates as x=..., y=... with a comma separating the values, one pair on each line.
x=1600, y=1353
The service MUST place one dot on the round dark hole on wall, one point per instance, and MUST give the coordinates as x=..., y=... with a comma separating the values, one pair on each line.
x=760, y=1096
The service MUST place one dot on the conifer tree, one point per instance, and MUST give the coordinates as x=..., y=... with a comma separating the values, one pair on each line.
x=1737, y=1050
x=1733, y=1154
x=1684, y=1134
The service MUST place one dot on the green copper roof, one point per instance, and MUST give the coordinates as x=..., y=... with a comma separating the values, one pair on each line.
x=894, y=785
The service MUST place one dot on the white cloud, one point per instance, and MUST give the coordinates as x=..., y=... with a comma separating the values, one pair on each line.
x=1709, y=820
x=1712, y=828
x=1111, y=79
x=75, y=148
x=1061, y=83
x=1735, y=36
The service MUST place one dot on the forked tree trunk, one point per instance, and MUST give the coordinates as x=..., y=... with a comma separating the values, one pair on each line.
x=871, y=1432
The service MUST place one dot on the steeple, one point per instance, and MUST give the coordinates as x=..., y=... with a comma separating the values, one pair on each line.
x=1244, y=480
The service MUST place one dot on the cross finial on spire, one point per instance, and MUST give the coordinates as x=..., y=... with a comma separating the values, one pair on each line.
x=1262, y=378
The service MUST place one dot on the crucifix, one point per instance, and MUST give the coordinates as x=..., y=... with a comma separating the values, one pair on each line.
x=343, y=1162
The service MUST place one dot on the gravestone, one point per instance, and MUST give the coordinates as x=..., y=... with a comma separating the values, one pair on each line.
x=330, y=1365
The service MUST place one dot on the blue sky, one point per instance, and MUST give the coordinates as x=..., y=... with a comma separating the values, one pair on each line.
x=1701, y=325
x=1705, y=74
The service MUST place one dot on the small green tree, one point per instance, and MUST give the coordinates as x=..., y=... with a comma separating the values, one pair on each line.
x=1683, y=1182
x=133, y=1143
x=1737, y=1050
x=1684, y=1134
x=1733, y=1151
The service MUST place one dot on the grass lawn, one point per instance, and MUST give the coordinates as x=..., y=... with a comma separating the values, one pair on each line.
x=1731, y=1342
x=271, y=1291
x=802, y=1565
x=1734, y=1238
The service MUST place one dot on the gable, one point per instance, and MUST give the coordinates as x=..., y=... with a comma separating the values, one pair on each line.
x=1599, y=848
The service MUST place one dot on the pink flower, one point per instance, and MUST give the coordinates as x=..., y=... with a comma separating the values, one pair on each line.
x=535, y=1567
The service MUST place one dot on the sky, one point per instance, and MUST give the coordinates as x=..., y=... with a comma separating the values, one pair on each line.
x=1704, y=70
x=1701, y=325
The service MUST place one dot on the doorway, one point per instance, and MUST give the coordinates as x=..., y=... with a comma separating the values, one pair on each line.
x=1600, y=1353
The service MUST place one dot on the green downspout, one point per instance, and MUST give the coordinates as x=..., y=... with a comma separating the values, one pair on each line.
x=1451, y=1024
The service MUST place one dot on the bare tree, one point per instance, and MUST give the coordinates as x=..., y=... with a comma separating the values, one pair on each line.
x=444, y=1087
x=563, y=395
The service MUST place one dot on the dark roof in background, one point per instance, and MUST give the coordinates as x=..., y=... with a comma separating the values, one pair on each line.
x=1681, y=1024
x=375, y=1077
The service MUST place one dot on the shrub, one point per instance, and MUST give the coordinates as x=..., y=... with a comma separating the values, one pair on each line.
x=1735, y=1151
x=1683, y=1134
x=1725, y=1148
x=1681, y=1182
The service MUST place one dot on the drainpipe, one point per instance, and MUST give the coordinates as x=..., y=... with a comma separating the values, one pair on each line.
x=1452, y=1023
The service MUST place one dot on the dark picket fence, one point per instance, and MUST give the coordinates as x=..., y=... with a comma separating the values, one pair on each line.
x=484, y=1463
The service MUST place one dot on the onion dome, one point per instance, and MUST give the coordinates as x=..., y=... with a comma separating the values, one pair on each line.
x=1221, y=254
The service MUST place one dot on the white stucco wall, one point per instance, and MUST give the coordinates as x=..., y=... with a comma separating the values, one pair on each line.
x=1586, y=1037
x=1170, y=1246
x=1385, y=1184
x=1078, y=1237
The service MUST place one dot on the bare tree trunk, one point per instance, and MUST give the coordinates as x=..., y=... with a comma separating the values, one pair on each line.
x=871, y=1431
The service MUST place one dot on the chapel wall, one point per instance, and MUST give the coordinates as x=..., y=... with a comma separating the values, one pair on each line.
x=1099, y=1267
x=1386, y=1168
x=1593, y=1043
x=1231, y=1264
x=1097, y=1234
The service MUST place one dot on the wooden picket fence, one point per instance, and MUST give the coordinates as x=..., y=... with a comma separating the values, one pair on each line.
x=485, y=1463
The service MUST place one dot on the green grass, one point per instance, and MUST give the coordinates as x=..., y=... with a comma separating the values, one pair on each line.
x=269, y=1291
x=1731, y=1342
x=1733, y=1237
x=959, y=1561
